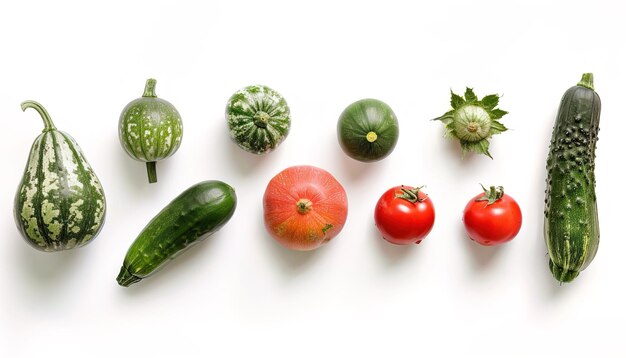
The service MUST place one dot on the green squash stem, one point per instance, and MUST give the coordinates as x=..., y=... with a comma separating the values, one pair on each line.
x=152, y=175
x=149, y=89
x=47, y=121
x=126, y=278
x=586, y=81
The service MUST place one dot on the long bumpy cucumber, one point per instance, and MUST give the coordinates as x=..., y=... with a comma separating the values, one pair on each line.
x=60, y=203
x=191, y=217
x=571, y=228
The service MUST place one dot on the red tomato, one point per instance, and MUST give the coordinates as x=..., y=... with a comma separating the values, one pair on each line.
x=404, y=215
x=304, y=207
x=492, y=218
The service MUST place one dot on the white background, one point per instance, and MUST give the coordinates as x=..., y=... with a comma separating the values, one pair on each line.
x=240, y=293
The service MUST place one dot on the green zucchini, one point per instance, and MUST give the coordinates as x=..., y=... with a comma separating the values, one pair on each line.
x=150, y=129
x=192, y=216
x=60, y=202
x=571, y=228
x=368, y=130
x=258, y=119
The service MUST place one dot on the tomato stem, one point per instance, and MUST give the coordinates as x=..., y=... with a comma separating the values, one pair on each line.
x=492, y=195
x=410, y=194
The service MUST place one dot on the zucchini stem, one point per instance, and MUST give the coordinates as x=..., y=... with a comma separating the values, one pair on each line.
x=152, y=174
x=586, y=81
x=125, y=278
x=149, y=89
x=47, y=121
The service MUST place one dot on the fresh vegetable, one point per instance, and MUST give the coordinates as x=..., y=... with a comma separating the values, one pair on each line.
x=304, y=207
x=473, y=121
x=150, y=129
x=492, y=217
x=404, y=215
x=368, y=130
x=191, y=217
x=60, y=202
x=571, y=228
x=258, y=119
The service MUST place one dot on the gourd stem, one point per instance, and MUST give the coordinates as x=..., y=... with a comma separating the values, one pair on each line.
x=152, y=174
x=47, y=121
x=149, y=89
x=587, y=81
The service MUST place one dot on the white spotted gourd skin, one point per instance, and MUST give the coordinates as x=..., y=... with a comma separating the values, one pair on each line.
x=60, y=202
x=258, y=119
x=150, y=129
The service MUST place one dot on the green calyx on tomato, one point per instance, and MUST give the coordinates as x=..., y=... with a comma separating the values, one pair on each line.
x=492, y=195
x=411, y=195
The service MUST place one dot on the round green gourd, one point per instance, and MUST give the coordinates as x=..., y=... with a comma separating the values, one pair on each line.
x=368, y=130
x=258, y=119
x=150, y=129
x=60, y=203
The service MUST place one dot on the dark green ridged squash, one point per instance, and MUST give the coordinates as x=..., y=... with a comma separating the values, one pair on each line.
x=258, y=119
x=368, y=130
x=571, y=228
x=60, y=202
x=150, y=129
x=192, y=216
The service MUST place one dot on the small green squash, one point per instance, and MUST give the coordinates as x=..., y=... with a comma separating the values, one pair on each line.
x=60, y=202
x=368, y=130
x=190, y=218
x=150, y=129
x=258, y=119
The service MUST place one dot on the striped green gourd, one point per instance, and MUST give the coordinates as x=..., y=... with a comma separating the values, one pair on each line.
x=150, y=129
x=258, y=119
x=571, y=226
x=60, y=202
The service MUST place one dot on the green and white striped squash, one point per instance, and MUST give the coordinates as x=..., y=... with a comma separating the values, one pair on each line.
x=150, y=129
x=60, y=202
x=258, y=119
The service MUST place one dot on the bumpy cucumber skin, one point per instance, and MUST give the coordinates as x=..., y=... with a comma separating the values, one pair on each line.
x=571, y=228
x=359, y=119
x=191, y=217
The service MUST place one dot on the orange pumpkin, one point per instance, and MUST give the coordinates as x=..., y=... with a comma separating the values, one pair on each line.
x=304, y=207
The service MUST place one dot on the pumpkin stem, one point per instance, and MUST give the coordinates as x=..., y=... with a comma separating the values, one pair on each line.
x=149, y=89
x=152, y=175
x=47, y=121
x=586, y=81
x=304, y=206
